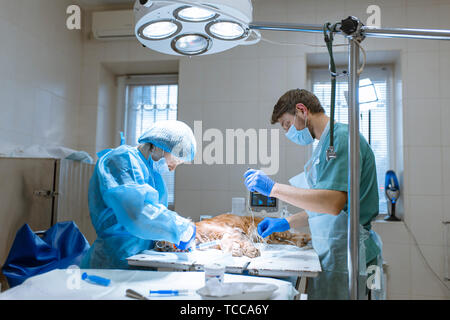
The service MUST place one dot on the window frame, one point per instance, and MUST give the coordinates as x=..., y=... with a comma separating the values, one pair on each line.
x=144, y=80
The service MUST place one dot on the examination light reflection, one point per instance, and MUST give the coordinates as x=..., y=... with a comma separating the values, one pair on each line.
x=160, y=30
x=226, y=30
x=191, y=44
x=195, y=14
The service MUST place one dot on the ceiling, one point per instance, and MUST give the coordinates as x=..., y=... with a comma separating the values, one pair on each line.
x=93, y=3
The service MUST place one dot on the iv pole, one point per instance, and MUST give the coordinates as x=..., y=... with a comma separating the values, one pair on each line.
x=355, y=32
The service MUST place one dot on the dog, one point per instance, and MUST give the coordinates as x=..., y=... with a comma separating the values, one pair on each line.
x=238, y=235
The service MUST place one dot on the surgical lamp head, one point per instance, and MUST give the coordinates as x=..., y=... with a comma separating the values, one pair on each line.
x=193, y=27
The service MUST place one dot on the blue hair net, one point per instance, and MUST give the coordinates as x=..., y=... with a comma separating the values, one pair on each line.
x=172, y=136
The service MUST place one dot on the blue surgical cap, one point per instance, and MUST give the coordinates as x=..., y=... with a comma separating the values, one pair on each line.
x=172, y=136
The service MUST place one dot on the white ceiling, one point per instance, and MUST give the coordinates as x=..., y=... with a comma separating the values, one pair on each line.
x=92, y=3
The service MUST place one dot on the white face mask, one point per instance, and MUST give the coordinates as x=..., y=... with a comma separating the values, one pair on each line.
x=302, y=137
x=161, y=166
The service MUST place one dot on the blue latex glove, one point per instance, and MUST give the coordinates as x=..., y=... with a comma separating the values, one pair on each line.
x=189, y=243
x=256, y=180
x=271, y=225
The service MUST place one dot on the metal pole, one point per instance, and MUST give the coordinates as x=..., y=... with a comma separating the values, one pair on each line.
x=275, y=26
x=353, y=169
x=367, y=31
x=426, y=34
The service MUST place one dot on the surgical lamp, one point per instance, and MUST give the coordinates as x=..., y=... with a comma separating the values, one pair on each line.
x=190, y=28
x=195, y=27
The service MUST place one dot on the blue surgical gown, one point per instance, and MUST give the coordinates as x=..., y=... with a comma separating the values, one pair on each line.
x=128, y=208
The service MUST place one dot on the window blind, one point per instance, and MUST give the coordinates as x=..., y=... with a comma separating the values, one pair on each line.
x=147, y=104
x=374, y=116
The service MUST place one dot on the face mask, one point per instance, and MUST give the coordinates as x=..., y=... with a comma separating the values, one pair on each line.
x=160, y=166
x=301, y=137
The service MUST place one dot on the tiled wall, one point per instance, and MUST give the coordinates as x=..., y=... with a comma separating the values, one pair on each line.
x=238, y=88
x=39, y=75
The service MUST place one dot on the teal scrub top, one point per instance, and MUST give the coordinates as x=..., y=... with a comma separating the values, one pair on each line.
x=334, y=175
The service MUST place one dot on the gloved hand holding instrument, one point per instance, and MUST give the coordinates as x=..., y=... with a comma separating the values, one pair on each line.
x=271, y=225
x=256, y=180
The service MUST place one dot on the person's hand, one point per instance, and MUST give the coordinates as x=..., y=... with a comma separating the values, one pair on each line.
x=271, y=225
x=256, y=180
x=188, y=240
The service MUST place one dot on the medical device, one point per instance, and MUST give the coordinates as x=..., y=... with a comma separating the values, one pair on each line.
x=206, y=245
x=392, y=191
x=169, y=292
x=263, y=205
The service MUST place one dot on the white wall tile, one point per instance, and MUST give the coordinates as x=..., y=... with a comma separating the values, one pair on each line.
x=444, y=74
x=24, y=109
x=244, y=86
x=215, y=202
x=446, y=210
x=244, y=114
x=421, y=75
x=116, y=51
x=423, y=122
x=188, y=203
x=424, y=169
x=272, y=77
x=398, y=258
x=43, y=81
x=191, y=81
x=392, y=232
x=217, y=80
x=425, y=215
x=189, y=177
x=8, y=57
x=425, y=17
x=445, y=120
x=296, y=72
x=189, y=112
x=424, y=282
x=42, y=114
x=7, y=103
x=236, y=176
x=446, y=170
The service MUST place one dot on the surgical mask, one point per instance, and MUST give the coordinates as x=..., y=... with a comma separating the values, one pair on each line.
x=161, y=166
x=302, y=137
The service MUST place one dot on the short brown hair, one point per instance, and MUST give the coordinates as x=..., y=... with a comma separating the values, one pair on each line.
x=290, y=99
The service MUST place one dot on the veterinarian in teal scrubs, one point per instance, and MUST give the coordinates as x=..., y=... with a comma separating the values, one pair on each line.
x=321, y=190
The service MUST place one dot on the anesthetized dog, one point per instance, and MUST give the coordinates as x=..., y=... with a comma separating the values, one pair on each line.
x=238, y=235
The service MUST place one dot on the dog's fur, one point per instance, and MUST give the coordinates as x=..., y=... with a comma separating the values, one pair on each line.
x=238, y=235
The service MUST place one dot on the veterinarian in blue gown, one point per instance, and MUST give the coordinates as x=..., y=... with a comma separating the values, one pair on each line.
x=321, y=190
x=128, y=197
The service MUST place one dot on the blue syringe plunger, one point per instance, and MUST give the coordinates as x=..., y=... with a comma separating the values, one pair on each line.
x=96, y=279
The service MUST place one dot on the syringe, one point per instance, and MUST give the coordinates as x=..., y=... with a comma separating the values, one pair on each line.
x=207, y=245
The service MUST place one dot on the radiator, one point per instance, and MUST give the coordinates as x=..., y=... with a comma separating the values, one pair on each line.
x=72, y=197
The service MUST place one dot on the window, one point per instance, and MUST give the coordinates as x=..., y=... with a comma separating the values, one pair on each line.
x=150, y=99
x=374, y=116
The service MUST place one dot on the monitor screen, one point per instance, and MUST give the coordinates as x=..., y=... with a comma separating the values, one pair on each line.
x=259, y=200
